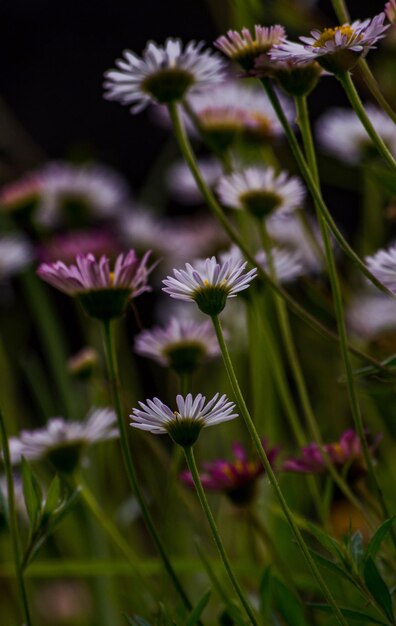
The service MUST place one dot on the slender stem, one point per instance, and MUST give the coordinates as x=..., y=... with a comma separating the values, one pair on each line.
x=303, y=120
x=129, y=464
x=14, y=522
x=354, y=98
x=189, y=454
x=313, y=188
x=218, y=212
x=267, y=466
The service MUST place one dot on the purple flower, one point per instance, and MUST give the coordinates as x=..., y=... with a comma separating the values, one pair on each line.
x=236, y=478
x=345, y=453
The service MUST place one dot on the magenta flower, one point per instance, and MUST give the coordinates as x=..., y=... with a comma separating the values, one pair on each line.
x=104, y=293
x=345, y=453
x=236, y=478
x=66, y=246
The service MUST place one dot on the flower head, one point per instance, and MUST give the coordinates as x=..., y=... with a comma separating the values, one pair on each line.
x=237, y=479
x=182, y=345
x=261, y=191
x=390, y=11
x=344, y=454
x=341, y=133
x=21, y=196
x=244, y=47
x=185, y=424
x=288, y=264
x=103, y=293
x=15, y=254
x=383, y=266
x=288, y=232
x=84, y=363
x=72, y=194
x=336, y=49
x=182, y=184
x=231, y=111
x=209, y=283
x=66, y=246
x=62, y=442
x=371, y=314
x=164, y=74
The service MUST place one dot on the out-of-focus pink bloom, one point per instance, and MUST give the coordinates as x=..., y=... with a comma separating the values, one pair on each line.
x=67, y=246
x=236, y=478
x=21, y=194
x=390, y=11
x=343, y=453
x=244, y=47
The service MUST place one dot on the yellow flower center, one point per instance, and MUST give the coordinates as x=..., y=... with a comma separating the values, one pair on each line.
x=329, y=34
x=111, y=276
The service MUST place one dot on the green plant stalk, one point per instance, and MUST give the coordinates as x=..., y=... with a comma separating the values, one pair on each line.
x=372, y=231
x=51, y=337
x=14, y=522
x=354, y=98
x=305, y=128
x=313, y=188
x=270, y=473
x=129, y=464
x=189, y=454
x=218, y=212
x=344, y=17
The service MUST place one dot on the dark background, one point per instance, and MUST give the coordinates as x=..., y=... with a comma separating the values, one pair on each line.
x=53, y=55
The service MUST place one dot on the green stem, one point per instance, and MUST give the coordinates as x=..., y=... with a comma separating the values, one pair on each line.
x=372, y=230
x=189, y=454
x=13, y=522
x=303, y=120
x=267, y=466
x=51, y=338
x=354, y=98
x=313, y=188
x=129, y=464
x=218, y=212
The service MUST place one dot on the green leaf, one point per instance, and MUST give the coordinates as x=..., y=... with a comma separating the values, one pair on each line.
x=266, y=593
x=31, y=493
x=363, y=618
x=199, y=608
x=377, y=587
x=288, y=605
x=334, y=567
x=377, y=539
x=325, y=540
x=53, y=497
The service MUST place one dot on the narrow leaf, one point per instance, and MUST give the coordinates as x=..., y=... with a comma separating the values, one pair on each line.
x=198, y=609
x=288, y=605
x=53, y=497
x=31, y=493
x=377, y=539
x=363, y=618
x=377, y=587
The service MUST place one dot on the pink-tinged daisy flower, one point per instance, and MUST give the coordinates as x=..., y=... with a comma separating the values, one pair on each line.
x=164, y=74
x=84, y=363
x=73, y=195
x=390, y=11
x=16, y=254
x=231, y=111
x=345, y=454
x=294, y=79
x=244, y=48
x=261, y=191
x=182, y=345
x=66, y=246
x=383, y=266
x=209, y=283
x=185, y=424
x=336, y=49
x=341, y=133
x=104, y=293
x=63, y=441
x=237, y=479
x=21, y=195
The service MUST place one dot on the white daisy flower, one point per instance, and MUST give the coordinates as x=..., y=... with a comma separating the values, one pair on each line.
x=383, y=265
x=72, y=194
x=62, y=442
x=182, y=345
x=209, y=283
x=289, y=233
x=336, y=49
x=181, y=182
x=185, y=424
x=164, y=74
x=231, y=110
x=244, y=47
x=288, y=264
x=261, y=191
x=371, y=314
x=341, y=132
x=15, y=254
